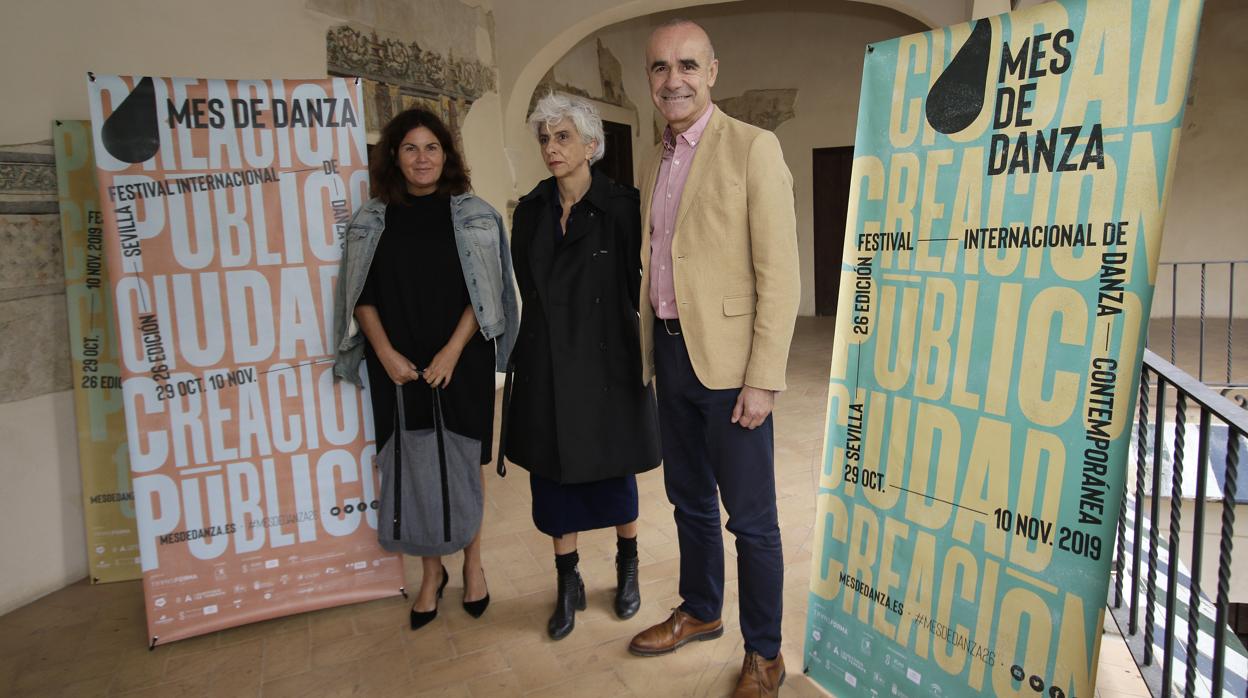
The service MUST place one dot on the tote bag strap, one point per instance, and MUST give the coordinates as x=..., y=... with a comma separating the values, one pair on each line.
x=502, y=436
x=439, y=428
x=396, y=436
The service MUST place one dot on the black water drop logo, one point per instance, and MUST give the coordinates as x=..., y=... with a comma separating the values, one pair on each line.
x=957, y=98
x=131, y=133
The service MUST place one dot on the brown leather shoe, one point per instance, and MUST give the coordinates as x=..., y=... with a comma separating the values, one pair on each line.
x=760, y=677
x=672, y=633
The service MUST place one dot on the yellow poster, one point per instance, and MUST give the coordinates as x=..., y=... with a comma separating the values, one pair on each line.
x=107, y=498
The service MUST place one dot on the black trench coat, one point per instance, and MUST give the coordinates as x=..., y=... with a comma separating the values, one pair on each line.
x=578, y=410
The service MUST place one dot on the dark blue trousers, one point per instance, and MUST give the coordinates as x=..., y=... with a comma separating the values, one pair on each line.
x=704, y=452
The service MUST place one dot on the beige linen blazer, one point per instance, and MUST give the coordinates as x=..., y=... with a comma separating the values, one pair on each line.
x=734, y=258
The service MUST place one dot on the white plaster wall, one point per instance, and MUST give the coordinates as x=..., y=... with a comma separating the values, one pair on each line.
x=47, y=49
x=483, y=149
x=1208, y=214
x=580, y=67
x=42, y=541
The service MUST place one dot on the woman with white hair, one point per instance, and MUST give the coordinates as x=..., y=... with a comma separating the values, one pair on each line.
x=576, y=414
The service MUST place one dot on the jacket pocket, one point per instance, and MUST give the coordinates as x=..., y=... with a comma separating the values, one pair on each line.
x=355, y=231
x=739, y=305
x=479, y=235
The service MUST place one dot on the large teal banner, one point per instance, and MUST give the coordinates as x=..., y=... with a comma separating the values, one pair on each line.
x=1008, y=191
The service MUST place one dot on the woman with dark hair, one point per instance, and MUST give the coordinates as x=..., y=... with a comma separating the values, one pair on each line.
x=579, y=419
x=425, y=297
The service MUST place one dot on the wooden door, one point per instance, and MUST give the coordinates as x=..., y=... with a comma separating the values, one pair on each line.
x=617, y=158
x=831, y=175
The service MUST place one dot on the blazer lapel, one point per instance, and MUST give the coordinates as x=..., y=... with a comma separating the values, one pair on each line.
x=703, y=158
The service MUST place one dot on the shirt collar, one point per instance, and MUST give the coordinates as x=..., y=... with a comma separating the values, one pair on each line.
x=693, y=134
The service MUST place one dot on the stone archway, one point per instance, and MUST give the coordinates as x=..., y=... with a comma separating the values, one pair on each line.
x=517, y=94
x=516, y=90
x=529, y=44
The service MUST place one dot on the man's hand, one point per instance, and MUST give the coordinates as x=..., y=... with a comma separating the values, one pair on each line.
x=753, y=406
x=398, y=367
x=440, y=369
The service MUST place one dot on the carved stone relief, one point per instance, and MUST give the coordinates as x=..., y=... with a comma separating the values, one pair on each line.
x=32, y=252
x=27, y=177
x=383, y=100
x=441, y=26
x=34, y=347
x=404, y=64
x=34, y=344
x=762, y=108
x=399, y=75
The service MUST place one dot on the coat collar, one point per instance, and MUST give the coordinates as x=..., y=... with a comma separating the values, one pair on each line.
x=599, y=194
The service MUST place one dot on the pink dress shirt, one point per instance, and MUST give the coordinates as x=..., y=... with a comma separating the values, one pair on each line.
x=678, y=152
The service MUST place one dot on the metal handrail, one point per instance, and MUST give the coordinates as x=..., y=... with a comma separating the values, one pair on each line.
x=1202, y=394
x=1205, y=265
x=1161, y=616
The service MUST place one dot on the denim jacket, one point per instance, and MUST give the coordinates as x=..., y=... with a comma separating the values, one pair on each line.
x=484, y=254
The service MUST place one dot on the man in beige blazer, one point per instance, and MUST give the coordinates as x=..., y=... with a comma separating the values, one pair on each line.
x=719, y=296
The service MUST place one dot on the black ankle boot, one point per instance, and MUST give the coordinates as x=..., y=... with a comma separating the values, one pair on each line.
x=627, y=591
x=569, y=599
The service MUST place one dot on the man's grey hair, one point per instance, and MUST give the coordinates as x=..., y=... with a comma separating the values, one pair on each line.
x=557, y=106
x=680, y=22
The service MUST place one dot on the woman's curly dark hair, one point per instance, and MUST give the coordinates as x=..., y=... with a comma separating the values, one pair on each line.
x=388, y=182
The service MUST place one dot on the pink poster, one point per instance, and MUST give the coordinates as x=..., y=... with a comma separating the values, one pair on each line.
x=224, y=204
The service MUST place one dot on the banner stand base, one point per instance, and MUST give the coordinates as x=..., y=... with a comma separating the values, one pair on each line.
x=403, y=591
x=153, y=645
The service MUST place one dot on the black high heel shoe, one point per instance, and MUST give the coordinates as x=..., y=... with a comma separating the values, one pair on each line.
x=476, y=608
x=422, y=618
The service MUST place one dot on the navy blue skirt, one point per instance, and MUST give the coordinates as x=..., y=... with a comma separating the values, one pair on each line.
x=561, y=509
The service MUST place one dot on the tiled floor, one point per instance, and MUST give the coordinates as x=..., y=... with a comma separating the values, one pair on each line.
x=87, y=640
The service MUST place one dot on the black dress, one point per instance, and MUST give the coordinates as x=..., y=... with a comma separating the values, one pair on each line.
x=580, y=419
x=417, y=285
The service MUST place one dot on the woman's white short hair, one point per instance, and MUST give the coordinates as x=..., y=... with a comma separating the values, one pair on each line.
x=557, y=106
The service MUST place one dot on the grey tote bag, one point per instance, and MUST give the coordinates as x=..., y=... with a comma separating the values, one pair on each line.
x=431, y=499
